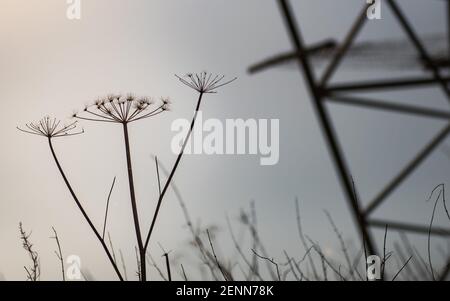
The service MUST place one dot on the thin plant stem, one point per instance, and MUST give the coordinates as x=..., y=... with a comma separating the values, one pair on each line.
x=59, y=254
x=271, y=261
x=303, y=240
x=429, y=236
x=184, y=273
x=157, y=174
x=83, y=212
x=383, y=267
x=342, y=243
x=172, y=173
x=215, y=257
x=169, y=275
x=402, y=268
x=289, y=262
x=133, y=203
x=157, y=268
x=206, y=256
x=107, y=207
x=253, y=270
x=34, y=271
x=112, y=248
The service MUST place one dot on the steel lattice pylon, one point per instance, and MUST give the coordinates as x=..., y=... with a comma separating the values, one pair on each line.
x=322, y=92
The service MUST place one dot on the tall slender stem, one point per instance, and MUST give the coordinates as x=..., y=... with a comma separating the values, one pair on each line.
x=169, y=274
x=133, y=203
x=83, y=212
x=172, y=173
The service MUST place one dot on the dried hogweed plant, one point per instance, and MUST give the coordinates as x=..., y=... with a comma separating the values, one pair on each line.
x=125, y=110
x=34, y=270
x=51, y=128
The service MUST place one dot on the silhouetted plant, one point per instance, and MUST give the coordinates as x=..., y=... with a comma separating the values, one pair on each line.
x=203, y=83
x=50, y=128
x=33, y=271
x=59, y=253
x=125, y=110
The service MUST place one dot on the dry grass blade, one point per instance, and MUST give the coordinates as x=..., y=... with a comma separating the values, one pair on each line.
x=342, y=243
x=291, y=267
x=166, y=256
x=124, y=267
x=402, y=268
x=252, y=268
x=410, y=276
x=184, y=273
x=206, y=256
x=225, y=277
x=437, y=188
x=325, y=260
x=107, y=207
x=203, y=83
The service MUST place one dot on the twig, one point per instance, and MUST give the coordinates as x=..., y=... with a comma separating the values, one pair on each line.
x=257, y=241
x=34, y=271
x=325, y=260
x=302, y=239
x=59, y=254
x=342, y=242
x=215, y=257
x=289, y=262
x=269, y=260
x=238, y=248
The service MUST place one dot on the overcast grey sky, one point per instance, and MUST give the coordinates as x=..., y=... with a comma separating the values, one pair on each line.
x=50, y=65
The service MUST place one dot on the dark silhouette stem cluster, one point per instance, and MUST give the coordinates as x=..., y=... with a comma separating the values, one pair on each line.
x=125, y=110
